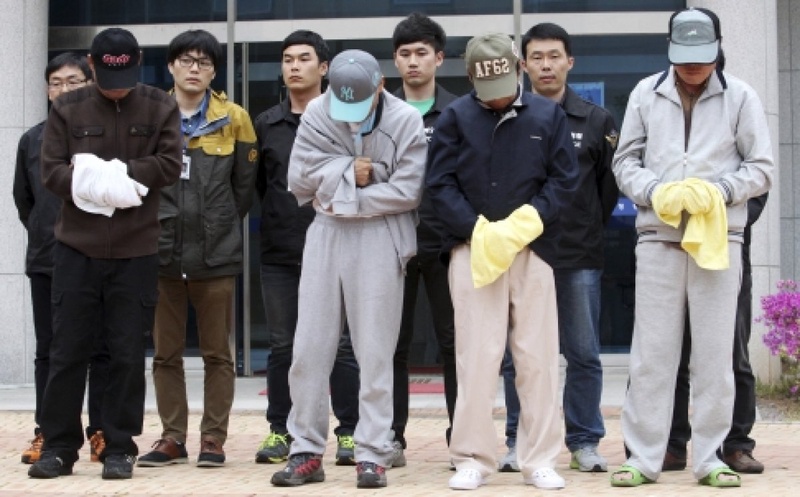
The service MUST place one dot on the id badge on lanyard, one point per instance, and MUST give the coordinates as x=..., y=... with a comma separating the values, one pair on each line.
x=186, y=166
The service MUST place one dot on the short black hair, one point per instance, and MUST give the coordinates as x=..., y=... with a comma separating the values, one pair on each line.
x=547, y=31
x=306, y=37
x=68, y=59
x=195, y=39
x=418, y=27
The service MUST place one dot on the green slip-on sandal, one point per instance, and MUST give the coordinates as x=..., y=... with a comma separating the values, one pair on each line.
x=637, y=477
x=713, y=479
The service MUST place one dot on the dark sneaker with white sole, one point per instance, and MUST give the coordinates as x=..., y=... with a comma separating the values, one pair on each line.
x=301, y=469
x=345, y=450
x=370, y=475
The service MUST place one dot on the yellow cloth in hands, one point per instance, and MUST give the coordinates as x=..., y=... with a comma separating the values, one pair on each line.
x=668, y=202
x=494, y=245
x=706, y=235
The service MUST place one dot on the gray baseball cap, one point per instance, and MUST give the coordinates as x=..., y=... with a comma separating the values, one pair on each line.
x=492, y=62
x=694, y=37
x=354, y=78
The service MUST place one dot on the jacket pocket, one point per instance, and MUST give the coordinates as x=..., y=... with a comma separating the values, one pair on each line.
x=141, y=130
x=218, y=144
x=223, y=241
x=87, y=131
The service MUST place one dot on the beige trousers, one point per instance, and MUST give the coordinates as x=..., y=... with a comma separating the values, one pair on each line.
x=519, y=307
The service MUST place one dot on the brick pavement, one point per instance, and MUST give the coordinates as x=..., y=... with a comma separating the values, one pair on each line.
x=425, y=475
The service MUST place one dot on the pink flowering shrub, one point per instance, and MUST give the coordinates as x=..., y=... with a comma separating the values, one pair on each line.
x=781, y=315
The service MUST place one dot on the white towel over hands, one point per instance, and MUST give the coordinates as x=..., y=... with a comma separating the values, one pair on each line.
x=100, y=187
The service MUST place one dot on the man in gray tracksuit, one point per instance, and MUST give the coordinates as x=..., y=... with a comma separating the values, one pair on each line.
x=359, y=159
x=691, y=123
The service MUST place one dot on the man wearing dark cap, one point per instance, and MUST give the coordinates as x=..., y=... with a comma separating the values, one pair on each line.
x=500, y=162
x=694, y=148
x=107, y=150
x=359, y=160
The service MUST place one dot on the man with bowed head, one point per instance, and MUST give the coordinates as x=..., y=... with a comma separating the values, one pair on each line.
x=359, y=159
x=501, y=160
x=107, y=150
x=694, y=148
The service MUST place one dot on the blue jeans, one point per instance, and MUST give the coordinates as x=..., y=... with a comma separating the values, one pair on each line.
x=578, y=296
x=279, y=284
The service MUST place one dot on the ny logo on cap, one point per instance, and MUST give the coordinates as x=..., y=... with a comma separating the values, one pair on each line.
x=346, y=94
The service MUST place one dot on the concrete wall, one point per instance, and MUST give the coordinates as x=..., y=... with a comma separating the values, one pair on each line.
x=750, y=41
x=24, y=52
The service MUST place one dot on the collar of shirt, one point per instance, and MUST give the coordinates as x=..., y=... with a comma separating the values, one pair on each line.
x=190, y=124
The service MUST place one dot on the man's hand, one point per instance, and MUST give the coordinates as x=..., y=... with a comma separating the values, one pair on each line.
x=363, y=170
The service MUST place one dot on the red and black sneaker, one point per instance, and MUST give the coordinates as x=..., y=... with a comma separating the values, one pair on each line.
x=302, y=468
x=370, y=475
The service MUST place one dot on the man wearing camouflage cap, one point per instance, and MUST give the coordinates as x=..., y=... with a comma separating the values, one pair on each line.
x=500, y=162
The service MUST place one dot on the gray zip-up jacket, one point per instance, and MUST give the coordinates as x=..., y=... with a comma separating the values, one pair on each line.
x=728, y=145
x=321, y=167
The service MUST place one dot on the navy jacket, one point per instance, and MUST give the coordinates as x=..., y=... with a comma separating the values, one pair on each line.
x=486, y=162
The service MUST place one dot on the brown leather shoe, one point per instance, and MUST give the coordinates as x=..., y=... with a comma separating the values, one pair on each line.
x=165, y=451
x=211, y=453
x=96, y=446
x=673, y=462
x=742, y=461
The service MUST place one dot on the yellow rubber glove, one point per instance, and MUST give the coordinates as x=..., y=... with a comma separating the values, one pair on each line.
x=668, y=202
x=706, y=236
x=494, y=245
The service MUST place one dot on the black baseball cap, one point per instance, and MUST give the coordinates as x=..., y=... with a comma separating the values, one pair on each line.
x=115, y=54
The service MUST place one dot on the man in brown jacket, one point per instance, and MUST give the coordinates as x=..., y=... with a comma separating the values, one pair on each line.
x=105, y=259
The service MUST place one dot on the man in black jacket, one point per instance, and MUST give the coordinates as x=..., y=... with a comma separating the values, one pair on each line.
x=38, y=210
x=304, y=63
x=547, y=56
x=418, y=51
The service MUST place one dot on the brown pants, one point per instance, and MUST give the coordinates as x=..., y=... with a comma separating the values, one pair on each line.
x=520, y=307
x=213, y=303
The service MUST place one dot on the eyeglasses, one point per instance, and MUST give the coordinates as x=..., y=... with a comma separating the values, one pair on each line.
x=188, y=61
x=70, y=84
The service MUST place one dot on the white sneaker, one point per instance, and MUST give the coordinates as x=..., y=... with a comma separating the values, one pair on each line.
x=545, y=478
x=467, y=479
x=509, y=464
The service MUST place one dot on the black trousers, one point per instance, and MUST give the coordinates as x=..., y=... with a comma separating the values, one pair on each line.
x=434, y=274
x=744, y=408
x=41, y=299
x=109, y=299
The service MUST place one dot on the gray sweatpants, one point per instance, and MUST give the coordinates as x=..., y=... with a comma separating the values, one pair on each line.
x=668, y=284
x=350, y=270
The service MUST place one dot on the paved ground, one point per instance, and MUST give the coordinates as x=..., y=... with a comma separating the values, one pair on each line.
x=426, y=474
